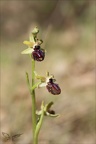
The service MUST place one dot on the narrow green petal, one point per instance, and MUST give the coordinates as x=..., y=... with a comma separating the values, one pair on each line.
x=27, y=51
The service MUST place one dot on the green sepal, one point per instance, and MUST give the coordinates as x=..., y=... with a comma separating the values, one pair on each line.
x=32, y=38
x=27, y=51
x=48, y=106
x=43, y=79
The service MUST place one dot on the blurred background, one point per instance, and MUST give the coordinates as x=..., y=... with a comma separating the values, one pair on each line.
x=68, y=31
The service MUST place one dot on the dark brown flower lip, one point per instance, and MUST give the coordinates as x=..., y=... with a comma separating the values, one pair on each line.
x=38, y=55
x=51, y=112
x=53, y=88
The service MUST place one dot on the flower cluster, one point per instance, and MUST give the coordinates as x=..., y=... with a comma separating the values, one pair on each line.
x=38, y=54
x=34, y=47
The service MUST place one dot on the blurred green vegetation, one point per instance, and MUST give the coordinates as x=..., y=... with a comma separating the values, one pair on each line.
x=68, y=31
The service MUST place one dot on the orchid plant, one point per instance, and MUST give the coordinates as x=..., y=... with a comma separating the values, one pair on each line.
x=37, y=54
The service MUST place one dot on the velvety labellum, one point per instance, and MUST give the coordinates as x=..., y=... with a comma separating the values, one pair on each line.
x=51, y=112
x=53, y=88
x=38, y=54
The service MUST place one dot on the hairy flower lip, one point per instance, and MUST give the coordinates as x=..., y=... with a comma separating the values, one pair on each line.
x=51, y=112
x=38, y=54
x=53, y=88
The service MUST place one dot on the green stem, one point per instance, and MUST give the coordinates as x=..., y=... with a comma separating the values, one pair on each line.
x=39, y=124
x=33, y=102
